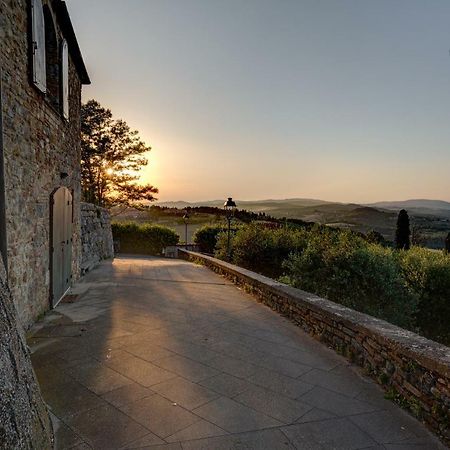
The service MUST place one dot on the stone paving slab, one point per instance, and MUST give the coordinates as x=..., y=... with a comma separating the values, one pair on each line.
x=158, y=353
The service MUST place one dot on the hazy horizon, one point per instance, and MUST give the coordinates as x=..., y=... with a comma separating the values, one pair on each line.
x=303, y=198
x=343, y=101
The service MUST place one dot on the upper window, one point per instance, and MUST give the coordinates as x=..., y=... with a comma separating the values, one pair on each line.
x=38, y=45
x=65, y=78
x=50, y=58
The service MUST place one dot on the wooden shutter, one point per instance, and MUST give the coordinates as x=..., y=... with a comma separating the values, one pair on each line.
x=65, y=78
x=38, y=45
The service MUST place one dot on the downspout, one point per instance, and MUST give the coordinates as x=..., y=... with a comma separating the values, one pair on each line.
x=3, y=241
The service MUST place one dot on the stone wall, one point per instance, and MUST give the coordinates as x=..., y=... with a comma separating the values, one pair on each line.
x=96, y=236
x=24, y=420
x=39, y=145
x=414, y=371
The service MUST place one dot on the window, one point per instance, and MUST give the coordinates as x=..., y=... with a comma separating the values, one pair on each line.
x=38, y=45
x=52, y=62
x=65, y=78
x=50, y=58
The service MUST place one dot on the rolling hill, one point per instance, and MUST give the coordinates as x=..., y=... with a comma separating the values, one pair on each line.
x=438, y=208
x=429, y=218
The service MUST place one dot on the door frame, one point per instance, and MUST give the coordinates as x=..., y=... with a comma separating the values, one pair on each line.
x=54, y=302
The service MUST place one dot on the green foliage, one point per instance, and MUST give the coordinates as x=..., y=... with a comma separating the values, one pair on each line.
x=262, y=248
x=403, y=232
x=393, y=395
x=221, y=249
x=374, y=237
x=447, y=243
x=111, y=156
x=347, y=269
x=427, y=276
x=417, y=237
x=410, y=289
x=206, y=237
x=383, y=378
x=143, y=239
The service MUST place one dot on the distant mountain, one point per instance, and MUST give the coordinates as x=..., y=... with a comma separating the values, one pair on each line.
x=436, y=208
x=416, y=204
x=431, y=217
x=259, y=205
x=328, y=212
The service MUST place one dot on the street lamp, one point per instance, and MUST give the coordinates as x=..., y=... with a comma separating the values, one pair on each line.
x=186, y=218
x=230, y=207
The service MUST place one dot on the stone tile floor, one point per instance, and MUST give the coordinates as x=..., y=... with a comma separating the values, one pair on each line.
x=163, y=354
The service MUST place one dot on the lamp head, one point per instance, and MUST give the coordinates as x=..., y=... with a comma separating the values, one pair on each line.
x=229, y=204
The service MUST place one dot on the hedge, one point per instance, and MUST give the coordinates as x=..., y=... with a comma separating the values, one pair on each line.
x=143, y=239
x=206, y=237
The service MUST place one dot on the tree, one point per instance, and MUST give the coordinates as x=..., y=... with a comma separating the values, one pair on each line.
x=111, y=156
x=447, y=243
x=374, y=237
x=417, y=236
x=403, y=232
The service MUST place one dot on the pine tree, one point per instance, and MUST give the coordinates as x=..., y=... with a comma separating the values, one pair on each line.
x=112, y=154
x=403, y=232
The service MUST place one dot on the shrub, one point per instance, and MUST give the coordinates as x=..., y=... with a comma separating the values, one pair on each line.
x=345, y=268
x=408, y=288
x=262, y=248
x=206, y=237
x=143, y=239
x=427, y=275
x=374, y=237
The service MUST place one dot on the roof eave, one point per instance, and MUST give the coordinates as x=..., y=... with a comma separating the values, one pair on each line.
x=67, y=28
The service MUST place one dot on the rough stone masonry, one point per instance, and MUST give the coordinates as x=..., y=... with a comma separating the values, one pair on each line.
x=41, y=152
x=96, y=236
x=24, y=420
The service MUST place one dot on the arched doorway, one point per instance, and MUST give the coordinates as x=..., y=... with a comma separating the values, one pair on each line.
x=61, y=244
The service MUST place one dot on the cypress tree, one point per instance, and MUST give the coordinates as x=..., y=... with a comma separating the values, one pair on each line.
x=403, y=232
x=447, y=243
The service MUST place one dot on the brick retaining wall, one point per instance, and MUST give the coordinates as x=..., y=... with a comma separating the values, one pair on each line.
x=414, y=371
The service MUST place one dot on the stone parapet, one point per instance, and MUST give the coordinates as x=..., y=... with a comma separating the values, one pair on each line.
x=414, y=371
x=96, y=236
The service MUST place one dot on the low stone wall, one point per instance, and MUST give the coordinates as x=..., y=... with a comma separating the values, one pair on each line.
x=414, y=371
x=24, y=419
x=96, y=236
x=172, y=250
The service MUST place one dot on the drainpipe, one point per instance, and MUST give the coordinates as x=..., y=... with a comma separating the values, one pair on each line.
x=3, y=247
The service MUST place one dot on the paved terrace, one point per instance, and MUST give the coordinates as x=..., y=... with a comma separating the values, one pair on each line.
x=164, y=354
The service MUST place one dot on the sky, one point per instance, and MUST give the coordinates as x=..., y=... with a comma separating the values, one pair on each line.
x=341, y=100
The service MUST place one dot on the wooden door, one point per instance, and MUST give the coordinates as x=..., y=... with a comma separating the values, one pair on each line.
x=61, y=238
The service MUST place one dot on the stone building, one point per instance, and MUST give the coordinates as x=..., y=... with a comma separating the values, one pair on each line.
x=42, y=72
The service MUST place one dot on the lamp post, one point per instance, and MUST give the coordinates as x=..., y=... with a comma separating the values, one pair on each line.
x=230, y=207
x=186, y=218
